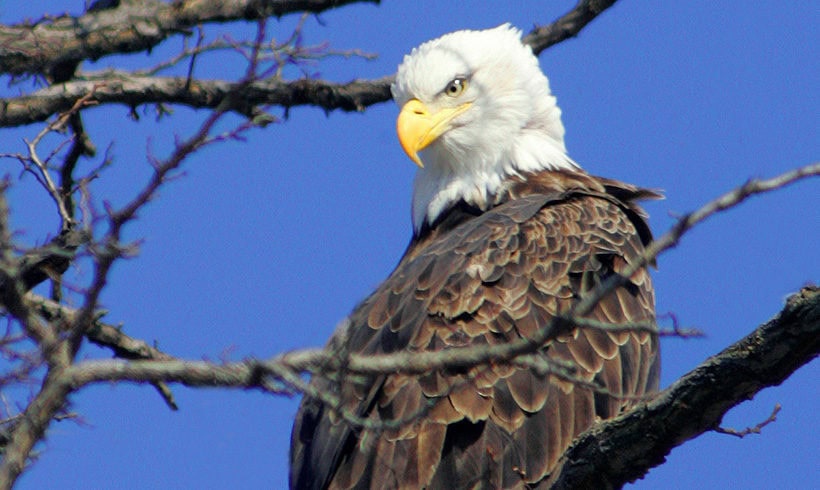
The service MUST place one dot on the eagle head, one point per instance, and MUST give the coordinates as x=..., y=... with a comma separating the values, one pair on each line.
x=475, y=110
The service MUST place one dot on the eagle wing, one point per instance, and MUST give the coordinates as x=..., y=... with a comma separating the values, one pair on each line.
x=491, y=279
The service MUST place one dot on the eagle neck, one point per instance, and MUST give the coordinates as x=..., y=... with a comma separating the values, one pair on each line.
x=480, y=177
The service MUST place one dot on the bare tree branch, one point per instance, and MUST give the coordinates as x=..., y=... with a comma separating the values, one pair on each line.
x=623, y=449
x=800, y=318
x=569, y=25
x=671, y=238
x=60, y=339
x=285, y=368
x=52, y=260
x=40, y=167
x=608, y=455
x=38, y=47
x=247, y=374
x=99, y=332
x=31, y=427
x=132, y=89
x=104, y=335
x=417, y=362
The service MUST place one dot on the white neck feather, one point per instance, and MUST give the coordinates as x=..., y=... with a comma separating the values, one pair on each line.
x=477, y=174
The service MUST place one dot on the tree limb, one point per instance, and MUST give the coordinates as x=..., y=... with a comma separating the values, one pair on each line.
x=799, y=319
x=106, y=336
x=309, y=360
x=623, y=449
x=40, y=47
x=123, y=88
x=671, y=238
x=59, y=341
x=99, y=332
x=569, y=25
x=31, y=427
x=119, y=87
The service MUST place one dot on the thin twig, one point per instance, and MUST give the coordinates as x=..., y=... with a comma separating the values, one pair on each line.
x=750, y=430
x=671, y=238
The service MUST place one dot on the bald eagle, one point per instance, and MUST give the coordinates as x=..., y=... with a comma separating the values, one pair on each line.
x=508, y=231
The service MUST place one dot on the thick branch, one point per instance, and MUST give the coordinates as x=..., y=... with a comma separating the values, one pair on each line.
x=625, y=448
x=122, y=88
x=133, y=26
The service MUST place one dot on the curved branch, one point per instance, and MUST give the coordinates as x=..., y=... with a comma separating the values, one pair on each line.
x=420, y=362
x=131, y=27
x=623, y=449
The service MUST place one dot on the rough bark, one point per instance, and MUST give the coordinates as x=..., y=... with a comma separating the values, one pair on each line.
x=131, y=91
x=60, y=41
x=625, y=448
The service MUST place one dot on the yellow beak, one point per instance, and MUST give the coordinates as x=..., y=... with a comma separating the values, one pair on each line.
x=417, y=128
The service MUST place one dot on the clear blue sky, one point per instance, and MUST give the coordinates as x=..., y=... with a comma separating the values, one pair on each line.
x=262, y=246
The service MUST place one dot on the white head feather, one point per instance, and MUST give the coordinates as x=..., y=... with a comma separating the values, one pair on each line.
x=513, y=126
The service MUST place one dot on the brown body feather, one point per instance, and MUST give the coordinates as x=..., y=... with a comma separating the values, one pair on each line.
x=476, y=278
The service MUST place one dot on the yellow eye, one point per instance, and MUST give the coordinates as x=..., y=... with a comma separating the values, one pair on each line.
x=456, y=87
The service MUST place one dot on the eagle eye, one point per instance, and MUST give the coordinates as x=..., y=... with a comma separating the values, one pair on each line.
x=456, y=87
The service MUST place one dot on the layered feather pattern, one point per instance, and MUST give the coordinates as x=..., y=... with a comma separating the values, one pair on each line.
x=483, y=278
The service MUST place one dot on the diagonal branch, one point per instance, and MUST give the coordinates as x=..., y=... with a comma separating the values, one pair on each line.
x=568, y=26
x=608, y=455
x=104, y=335
x=623, y=449
x=421, y=362
x=671, y=238
x=99, y=332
